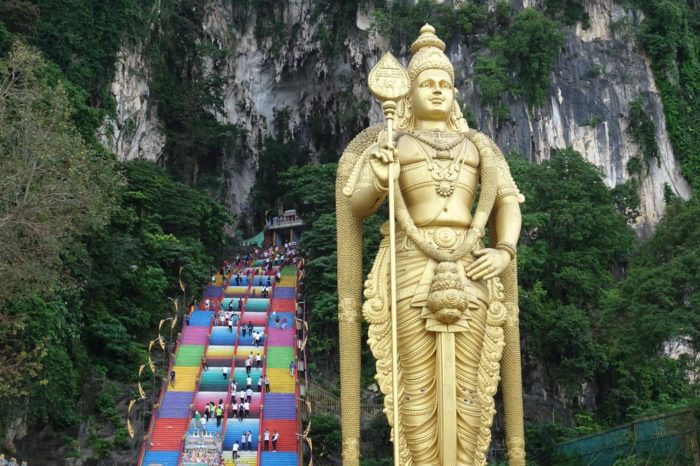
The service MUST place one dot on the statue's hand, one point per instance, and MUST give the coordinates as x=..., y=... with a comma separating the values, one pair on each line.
x=490, y=264
x=379, y=162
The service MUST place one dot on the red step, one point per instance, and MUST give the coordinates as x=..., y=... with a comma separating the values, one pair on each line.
x=167, y=434
x=287, y=430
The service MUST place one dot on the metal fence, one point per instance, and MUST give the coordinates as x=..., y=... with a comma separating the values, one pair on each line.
x=326, y=402
x=663, y=440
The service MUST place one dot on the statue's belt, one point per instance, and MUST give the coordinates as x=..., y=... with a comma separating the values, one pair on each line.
x=443, y=238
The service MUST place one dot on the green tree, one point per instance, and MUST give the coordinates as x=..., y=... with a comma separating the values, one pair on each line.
x=53, y=186
x=655, y=305
x=565, y=262
x=530, y=46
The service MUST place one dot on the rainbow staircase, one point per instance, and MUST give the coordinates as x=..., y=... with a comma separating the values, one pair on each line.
x=208, y=339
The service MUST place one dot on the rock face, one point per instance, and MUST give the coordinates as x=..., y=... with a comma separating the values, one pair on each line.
x=134, y=131
x=597, y=75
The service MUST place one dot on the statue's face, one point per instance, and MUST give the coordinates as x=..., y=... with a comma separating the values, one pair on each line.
x=433, y=95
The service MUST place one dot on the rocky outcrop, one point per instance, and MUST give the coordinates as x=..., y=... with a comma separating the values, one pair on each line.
x=133, y=131
x=598, y=73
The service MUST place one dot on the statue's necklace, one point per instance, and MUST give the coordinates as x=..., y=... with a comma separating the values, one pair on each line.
x=445, y=175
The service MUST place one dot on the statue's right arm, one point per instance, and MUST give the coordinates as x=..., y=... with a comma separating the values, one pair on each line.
x=369, y=192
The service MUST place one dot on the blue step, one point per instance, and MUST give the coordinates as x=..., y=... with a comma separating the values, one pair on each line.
x=247, y=340
x=162, y=458
x=280, y=458
x=201, y=318
x=280, y=406
x=220, y=336
x=264, y=281
x=244, y=281
x=234, y=429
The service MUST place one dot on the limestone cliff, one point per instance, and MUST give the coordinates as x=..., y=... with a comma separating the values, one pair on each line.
x=597, y=75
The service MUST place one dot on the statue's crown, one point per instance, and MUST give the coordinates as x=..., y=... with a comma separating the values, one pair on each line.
x=428, y=54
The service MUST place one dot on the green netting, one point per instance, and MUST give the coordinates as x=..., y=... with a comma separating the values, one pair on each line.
x=256, y=240
x=189, y=355
x=668, y=439
x=279, y=356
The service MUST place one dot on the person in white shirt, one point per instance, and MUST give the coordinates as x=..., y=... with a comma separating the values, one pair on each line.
x=225, y=372
x=234, y=450
x=266, y=440
x=249, y=394
x=246, y=408
x=248, y=382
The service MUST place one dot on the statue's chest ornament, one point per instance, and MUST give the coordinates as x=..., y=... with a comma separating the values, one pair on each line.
x=444, y=166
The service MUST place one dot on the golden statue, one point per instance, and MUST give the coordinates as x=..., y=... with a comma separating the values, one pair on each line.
x=454, y=311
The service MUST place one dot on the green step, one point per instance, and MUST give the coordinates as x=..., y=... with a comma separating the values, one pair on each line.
x=213, y=381
x=289, y=271
x=189, y=355
x=240, y=377
x=279, y=356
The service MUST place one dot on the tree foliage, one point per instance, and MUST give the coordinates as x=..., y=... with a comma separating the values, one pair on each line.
x=565, y=261
x=53, y=187
x=91, y=250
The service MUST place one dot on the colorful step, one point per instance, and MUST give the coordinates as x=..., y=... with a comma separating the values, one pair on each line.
x=201, y=318
x=280, y=406
x=185, y=379
x=195, y=335
x=234, y=429
x=279, y=356
x=287, y=430
x=189, y=355
x=279, y=458
x=283, y=305
x=256, y=305
x=280, y=381
x=176, y=405
x=284, y=292
x=214, y=380
x=161, y=458
x=168, y=434
x=220, y=336
x=240, y=377
x=202, y=398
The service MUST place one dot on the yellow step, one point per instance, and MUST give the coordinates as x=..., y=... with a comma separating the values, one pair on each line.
x=184, y=379
x=249, y=458
x=280, y=381
x=287, y=280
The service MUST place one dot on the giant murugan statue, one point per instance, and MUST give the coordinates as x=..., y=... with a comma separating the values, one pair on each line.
x=456, y=312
